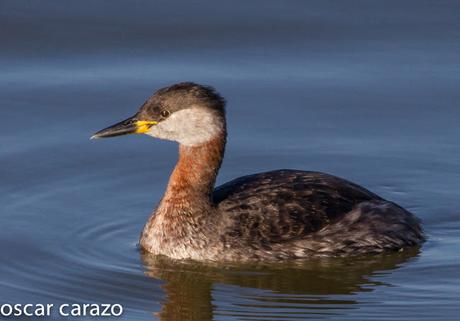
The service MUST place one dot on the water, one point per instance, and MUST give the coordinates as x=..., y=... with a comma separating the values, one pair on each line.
x=366, y=90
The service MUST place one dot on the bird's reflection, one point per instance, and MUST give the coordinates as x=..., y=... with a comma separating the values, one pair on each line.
x=315, y=286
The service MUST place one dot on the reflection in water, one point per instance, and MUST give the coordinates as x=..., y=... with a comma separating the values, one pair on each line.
x=282, y=290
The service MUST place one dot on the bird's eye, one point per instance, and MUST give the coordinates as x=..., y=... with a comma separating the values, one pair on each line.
x=165, y=113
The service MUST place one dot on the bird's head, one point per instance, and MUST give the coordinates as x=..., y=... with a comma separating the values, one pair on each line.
x=187, y=113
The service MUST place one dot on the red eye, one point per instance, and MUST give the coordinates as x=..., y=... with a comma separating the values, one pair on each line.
x=165, y=113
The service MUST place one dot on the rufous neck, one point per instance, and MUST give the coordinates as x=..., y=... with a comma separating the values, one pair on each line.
x=196, y=170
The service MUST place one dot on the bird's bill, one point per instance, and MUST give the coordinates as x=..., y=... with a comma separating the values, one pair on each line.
x=129, y=126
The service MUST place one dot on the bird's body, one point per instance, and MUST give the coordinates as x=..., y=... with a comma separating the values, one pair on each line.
x=278, y=215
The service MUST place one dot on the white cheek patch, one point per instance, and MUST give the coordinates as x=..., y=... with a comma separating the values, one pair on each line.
x=191, y=126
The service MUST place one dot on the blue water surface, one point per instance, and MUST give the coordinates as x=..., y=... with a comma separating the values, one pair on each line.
x=366, y=90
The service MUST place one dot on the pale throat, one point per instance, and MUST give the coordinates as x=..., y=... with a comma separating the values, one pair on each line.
x=192, y=126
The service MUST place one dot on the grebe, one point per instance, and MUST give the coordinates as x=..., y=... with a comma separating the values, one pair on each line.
x=277, y=215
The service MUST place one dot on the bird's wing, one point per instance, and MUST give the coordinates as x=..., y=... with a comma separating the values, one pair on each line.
x=285, y=205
